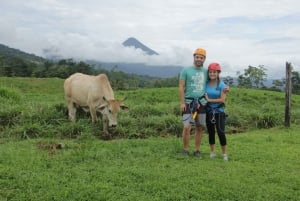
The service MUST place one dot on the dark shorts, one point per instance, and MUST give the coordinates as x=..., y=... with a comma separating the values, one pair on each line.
x=187, y=118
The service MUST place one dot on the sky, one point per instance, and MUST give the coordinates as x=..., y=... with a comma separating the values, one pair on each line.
x=235, y=33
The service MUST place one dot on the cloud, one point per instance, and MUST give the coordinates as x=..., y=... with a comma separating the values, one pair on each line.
x=235, y=33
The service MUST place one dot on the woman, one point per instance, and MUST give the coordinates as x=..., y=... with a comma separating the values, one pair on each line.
x=215, y=115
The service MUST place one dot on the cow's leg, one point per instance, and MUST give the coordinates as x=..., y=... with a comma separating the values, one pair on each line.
x=71, y=111
x=93, y=114
x=105, y=124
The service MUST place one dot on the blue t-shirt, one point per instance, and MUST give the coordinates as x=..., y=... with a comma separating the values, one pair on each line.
x=214, y=92
x=195, y=81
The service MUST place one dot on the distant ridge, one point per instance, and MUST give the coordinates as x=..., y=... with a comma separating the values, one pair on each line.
x=133, y=42
x=12, y=52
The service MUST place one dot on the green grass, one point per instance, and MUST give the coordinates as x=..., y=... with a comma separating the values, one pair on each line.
x=45, y=157
x=263, y=165
x=35, y=107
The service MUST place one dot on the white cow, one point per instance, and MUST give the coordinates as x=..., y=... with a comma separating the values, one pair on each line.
x=92, y=93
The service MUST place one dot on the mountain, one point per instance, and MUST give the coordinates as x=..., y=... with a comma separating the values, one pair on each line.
x=133, y=42
x=161, y=71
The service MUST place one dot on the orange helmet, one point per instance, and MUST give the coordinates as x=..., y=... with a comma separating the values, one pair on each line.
x=214, y=66
x=200, y=51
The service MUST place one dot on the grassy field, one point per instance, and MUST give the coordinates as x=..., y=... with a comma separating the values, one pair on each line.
x=263, y=165
x=45, y=157
x=31, y=107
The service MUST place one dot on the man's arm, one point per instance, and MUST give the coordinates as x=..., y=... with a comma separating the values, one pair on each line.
x=181, y=94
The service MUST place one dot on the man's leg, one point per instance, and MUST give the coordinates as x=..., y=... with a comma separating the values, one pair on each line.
x=198, y=137
x=186, y=137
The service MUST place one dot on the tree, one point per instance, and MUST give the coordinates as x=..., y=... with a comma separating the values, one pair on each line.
x=278, y=85
x=253, y=77
x=228, y=80
x=244, y=81
x=295, y=82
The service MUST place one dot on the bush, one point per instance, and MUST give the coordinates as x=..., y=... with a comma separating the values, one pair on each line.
x=9, y=116
x=267, y=120
x=10, y=93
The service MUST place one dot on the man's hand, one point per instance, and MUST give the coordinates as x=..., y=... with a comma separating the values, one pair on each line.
x=182, y=107
x=226, y=89
x=206, y=96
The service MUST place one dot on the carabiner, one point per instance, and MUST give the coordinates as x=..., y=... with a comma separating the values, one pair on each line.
x=213, y=119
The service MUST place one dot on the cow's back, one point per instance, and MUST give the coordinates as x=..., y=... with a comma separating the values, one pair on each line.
x=104, y=86
x=83, y=89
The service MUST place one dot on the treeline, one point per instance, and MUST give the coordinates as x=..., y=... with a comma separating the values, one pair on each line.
x=14, y=66
x=255, y=77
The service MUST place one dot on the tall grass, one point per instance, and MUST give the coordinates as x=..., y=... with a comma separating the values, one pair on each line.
x=35, y=107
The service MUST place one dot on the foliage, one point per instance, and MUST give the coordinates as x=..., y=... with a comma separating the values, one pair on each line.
x=228, y=80
x=295, y=82
x=253, y=77
x=166, y=82
x=261, y=167
x=278, y=84
x=18, y=67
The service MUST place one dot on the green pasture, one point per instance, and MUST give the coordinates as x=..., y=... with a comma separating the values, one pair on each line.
x=43, y=156
x=35, y=107
x=263, y=165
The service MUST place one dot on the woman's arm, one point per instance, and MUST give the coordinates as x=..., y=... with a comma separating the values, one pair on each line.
x=217, y=100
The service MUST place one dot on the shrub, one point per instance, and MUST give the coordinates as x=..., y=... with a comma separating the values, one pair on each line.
x=9, y=116
x=267, y=120
x=10, y=93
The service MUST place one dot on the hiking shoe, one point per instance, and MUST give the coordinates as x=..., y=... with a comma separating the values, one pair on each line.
x=197, y=154
x=225, y=157
x=212, y=155
x=185, y=152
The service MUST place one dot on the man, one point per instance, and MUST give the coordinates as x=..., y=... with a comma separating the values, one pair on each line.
x=192, y=83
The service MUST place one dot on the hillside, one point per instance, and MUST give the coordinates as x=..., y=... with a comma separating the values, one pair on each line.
x=6, y=51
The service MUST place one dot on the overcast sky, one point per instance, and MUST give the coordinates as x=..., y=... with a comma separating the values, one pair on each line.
x=235, y=33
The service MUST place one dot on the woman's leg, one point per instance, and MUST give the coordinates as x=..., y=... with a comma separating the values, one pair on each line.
x=211, y=134
x=221, y=133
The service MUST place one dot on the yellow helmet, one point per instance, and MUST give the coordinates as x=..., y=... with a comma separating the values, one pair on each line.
x=200, y=51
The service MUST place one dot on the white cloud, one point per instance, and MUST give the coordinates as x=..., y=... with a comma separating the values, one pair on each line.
x=235, y=33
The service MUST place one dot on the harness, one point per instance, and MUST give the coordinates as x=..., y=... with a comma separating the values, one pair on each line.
x=193, y=105
x=213, y=111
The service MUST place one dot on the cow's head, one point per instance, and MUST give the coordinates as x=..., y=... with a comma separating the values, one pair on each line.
x=110, y=109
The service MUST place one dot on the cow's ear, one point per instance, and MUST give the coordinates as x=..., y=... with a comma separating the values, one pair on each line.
x=101, y=107
x=124, y=107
